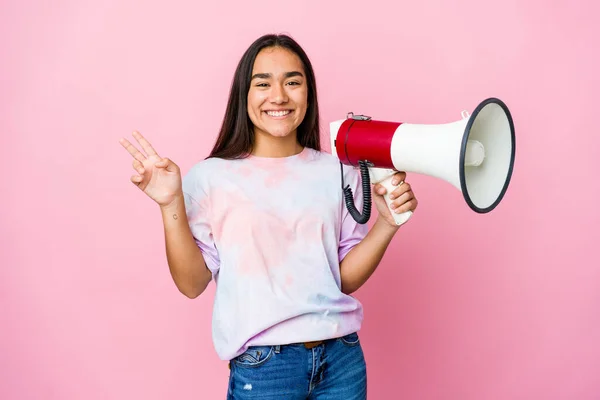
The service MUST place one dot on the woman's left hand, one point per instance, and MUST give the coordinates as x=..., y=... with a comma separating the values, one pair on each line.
x=403, y=199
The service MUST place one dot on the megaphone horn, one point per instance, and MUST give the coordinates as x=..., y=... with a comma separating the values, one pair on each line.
x=475, y=154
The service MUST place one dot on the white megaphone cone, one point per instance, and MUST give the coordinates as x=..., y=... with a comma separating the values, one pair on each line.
x=475, y=154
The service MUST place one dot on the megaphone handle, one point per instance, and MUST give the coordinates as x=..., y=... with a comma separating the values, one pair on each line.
x=399, y=218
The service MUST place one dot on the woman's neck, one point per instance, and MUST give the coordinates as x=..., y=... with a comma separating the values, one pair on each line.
x=274, y=147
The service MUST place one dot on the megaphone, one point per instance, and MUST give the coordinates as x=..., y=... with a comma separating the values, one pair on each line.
x=475, y=154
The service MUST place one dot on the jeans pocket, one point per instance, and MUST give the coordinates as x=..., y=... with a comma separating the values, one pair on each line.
x=351, y=339
x=255, y=356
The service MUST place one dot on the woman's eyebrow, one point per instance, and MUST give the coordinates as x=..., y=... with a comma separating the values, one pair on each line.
x=262, y=75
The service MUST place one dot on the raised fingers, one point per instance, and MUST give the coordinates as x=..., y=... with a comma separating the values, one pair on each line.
x=132, y=149
x=144, y=143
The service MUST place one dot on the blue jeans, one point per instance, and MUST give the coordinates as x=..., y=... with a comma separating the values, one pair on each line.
x=334, y=370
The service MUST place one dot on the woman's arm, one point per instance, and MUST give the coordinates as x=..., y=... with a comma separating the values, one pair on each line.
x=160, y=179
x=186, y=264
x=360, y=262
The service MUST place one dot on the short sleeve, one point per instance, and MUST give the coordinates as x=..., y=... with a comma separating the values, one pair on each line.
x=196, y=207
x=351, y=232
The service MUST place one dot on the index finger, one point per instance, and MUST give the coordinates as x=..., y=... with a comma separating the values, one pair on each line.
x=145, y=144
x=398, y=177
x=132, y=150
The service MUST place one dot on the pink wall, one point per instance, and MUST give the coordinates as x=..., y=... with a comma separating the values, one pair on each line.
x=464, y=306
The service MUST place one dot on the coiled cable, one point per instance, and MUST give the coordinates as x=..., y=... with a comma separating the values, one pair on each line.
x=366, y=189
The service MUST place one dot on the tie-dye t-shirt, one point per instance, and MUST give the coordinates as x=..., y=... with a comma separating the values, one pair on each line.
x=273, y=232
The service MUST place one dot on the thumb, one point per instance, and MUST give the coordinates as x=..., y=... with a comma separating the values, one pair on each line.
x=167, y=164
x=379, y=189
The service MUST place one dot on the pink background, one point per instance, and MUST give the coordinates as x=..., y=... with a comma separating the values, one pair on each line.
x=464, y=306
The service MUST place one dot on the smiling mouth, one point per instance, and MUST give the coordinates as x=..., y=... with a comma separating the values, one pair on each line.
x=278, y=113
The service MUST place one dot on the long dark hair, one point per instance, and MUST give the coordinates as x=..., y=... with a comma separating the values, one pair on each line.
x=236, y=137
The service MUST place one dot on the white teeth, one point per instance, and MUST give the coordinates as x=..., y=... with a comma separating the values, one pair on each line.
x=278, y=113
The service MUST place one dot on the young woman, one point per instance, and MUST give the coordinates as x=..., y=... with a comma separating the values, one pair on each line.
x=264, y=216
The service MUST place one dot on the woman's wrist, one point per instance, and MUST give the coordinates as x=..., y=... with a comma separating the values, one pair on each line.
x=174, y=205
x=385, y=227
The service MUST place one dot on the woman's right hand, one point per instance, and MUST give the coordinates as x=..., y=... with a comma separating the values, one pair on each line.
x=159, y=178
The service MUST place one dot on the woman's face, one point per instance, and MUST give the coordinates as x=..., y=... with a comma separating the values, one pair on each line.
x=277, y=99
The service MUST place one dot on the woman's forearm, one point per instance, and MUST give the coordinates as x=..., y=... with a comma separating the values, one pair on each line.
x=360, y=263
x=186, y=263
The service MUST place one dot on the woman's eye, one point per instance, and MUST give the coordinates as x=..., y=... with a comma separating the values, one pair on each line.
x=293, y=83
x=261, y=85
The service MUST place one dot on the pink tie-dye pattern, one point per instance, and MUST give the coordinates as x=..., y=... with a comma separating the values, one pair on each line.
x=199, y=212
x=277, y=226
x=277, y=177
x=244, y=170
x=275, y=170
x=235, y=221
x=289, y=281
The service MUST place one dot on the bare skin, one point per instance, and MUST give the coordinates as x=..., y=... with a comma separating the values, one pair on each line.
x=160, y=179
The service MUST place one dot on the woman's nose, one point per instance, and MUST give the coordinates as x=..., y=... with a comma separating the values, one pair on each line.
x=278, y=94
